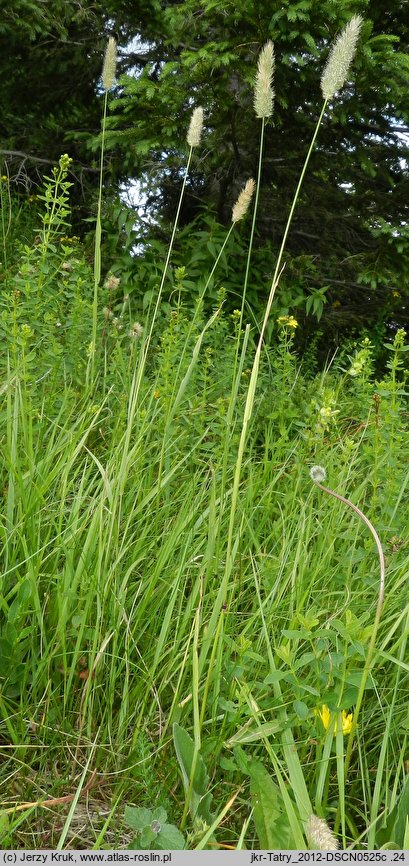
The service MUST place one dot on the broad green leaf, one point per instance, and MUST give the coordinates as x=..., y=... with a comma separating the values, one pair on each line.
x=160, y=815
x=405, y=846
x=271, y=823
x=395, y=828
x=198, y=792
x=4, y=824
x=184, y=747
x=402, y=815
x=146, y=837
x=301, y=709
x=169, y=838
x=136, y=818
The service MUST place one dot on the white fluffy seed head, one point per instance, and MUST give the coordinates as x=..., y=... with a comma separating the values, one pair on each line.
x=243, y=201
x=340, y=58
x=318, y=474
x=320, y=835
x=195, y=127
x=263, y=90
x=109, y=67
x=136, y=331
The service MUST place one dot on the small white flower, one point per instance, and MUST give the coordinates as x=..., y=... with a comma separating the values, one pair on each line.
x=318, y=474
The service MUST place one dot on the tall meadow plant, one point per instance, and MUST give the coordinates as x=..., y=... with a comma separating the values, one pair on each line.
x=333, y=78
x=108, y=79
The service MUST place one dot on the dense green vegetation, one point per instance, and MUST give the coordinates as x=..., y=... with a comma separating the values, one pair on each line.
x=190, y=644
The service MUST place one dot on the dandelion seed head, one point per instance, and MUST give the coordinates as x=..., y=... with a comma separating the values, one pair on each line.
x=136, y=331
x=243, y=201
x=109, y=67
x=195, y=127
x=263, y=90
x=111, y=282
x=340, y=58
x=318, y=474
x=320, y=835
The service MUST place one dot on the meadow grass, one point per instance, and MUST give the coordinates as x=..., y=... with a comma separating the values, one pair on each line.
x=179, y=601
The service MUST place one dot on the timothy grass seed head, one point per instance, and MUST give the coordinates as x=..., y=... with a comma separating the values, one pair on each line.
x=263, y=90
x=194, y=133
x=320, y=835
x=340, y=58
x=243, y=201
x=109, y=67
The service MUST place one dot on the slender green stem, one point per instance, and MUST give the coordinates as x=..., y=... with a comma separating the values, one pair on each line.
x=195, y=700
x=140, y=369
x=222, y=594
x=97, y=251
x=277, y=271
x=253, y=222
x=170, y=248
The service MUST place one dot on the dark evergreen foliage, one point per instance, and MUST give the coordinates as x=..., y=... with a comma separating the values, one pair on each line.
x=350, y=236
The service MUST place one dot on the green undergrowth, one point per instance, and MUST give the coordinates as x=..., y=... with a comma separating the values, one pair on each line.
x=114, y=524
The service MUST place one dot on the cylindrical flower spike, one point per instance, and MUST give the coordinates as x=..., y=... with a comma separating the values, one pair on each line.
x=109, y=67
x=340, y=58
x=263, y=91
x=243, y=201
x=195, y=127
x=319, y=834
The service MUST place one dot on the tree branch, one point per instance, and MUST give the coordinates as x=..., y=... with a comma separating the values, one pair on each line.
x=24, y=156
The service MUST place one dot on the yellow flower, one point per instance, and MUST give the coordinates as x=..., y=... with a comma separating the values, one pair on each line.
x=156, y=394
x=346, y=722
x=326, y=717
x=396, y=294
x=287, y=321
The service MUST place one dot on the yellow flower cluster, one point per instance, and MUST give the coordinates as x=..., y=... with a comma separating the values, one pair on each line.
x=326, y=716
x=287, y=322
x=72, y=240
